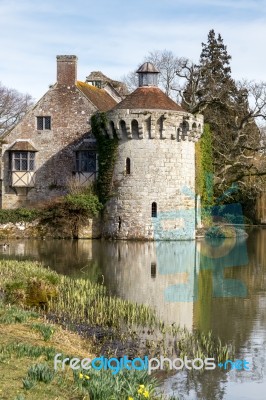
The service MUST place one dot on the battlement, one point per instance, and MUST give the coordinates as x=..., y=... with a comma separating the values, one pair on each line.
x=154, y=124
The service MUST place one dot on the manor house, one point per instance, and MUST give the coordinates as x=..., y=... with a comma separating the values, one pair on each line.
x=154, y=175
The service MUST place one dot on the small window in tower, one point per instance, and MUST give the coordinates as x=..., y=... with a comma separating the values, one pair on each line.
x=43, y=123
x=154, y=210
x=128, y=166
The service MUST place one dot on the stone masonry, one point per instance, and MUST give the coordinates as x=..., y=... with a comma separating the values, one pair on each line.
x=69, y=105
x=154, y=177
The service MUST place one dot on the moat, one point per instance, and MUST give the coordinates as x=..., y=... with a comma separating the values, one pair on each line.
x=206, y=285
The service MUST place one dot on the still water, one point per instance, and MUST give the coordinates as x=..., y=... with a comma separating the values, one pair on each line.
x=208, y=285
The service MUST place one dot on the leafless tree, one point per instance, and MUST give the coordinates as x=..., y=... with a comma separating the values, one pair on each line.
x=13, y=106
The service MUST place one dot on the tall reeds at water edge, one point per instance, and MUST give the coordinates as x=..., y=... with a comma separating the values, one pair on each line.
x=80, y=301
x=88, y=302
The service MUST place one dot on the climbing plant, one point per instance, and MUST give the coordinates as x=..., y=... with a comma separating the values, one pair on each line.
x=204, y=167
x=107, y=154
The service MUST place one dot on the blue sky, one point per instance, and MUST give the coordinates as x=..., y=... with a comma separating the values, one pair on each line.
x=115, y=35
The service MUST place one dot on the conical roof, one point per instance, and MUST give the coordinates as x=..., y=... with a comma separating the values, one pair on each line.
x=147, y=67
x=148, y=98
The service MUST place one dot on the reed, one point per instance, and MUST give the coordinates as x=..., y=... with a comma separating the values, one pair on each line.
x=76, y=302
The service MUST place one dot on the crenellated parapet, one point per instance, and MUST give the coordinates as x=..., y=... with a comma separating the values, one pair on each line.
x=178, y=126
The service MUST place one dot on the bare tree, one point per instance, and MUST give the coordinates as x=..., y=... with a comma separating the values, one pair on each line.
x=168, y=65
x=233, y=110
x=13, y=106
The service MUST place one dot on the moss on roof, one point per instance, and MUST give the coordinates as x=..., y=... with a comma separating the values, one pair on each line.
x=99, y=97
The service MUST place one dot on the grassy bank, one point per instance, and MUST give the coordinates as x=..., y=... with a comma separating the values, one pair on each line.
x=43, y=313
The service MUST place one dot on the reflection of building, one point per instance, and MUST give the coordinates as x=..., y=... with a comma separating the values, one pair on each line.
x=159, y=274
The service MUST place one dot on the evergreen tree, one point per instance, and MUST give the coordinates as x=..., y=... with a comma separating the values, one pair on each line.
x=212, y=91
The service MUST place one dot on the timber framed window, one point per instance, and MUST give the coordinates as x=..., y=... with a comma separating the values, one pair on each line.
x=43, y=123
x=22, y=161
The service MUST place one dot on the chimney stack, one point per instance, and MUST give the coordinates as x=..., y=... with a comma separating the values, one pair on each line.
x=67, y=70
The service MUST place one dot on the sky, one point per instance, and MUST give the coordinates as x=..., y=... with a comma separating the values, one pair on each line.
x=114, y=36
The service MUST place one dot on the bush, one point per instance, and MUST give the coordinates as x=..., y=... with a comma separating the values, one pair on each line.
x=18, y=215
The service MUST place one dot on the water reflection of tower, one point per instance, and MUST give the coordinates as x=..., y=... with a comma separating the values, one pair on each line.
x=159, y=274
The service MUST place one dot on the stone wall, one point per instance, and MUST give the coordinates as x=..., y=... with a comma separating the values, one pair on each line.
x=91, y=229
x=162, y=171
x=70, y=113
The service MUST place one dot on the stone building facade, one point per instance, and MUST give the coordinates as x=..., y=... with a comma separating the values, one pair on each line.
x=154, y=177
x=53, y=145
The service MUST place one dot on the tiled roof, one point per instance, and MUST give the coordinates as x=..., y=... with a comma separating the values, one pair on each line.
x=99, y=97
x=97, y=75
x=148, y=98
x=22, y=145
x=147, y=67
x=117, y=85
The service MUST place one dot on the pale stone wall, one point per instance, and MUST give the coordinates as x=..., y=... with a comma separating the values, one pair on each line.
x=162, y=170
x=90, y=229
x=70, y=113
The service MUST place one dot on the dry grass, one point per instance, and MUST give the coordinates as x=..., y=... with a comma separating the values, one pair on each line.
x=14, y=369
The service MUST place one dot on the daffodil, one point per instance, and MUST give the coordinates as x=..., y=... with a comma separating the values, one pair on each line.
x=80, y=375
x=146, y=394
x=130, y=398
x=87, y=377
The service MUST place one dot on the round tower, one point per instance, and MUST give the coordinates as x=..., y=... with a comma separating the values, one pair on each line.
x=154, y=177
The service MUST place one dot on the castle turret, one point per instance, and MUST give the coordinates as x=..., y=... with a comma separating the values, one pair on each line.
x=154, y=175
x=148, y=75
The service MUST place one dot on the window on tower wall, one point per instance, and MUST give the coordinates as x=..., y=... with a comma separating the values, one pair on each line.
x=154, y=210
x=85, y=161
x=128, y=166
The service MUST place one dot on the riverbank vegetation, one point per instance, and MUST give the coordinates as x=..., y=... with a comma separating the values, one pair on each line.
x=43, y=313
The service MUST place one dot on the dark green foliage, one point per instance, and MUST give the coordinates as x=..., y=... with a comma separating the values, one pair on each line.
x=18, y=215
x=224, y=103
x=69, y=212
x=38, y=373
x=204, y=167
x=215, y=232
x=102, y=385
x=107, y=154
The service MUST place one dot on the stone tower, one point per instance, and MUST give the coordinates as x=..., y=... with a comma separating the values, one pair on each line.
x=154, y=176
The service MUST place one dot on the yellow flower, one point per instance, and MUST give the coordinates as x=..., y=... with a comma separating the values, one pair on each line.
x=87, y=377
x=130, y=398
x=141, y=386
x=146, y=394
x=80, y=375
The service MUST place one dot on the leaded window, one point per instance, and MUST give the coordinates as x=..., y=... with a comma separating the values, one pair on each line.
x=43, y=123
x=23, y=161
x=85, y=161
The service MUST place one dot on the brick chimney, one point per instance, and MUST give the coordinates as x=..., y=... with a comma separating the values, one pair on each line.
x=67, y=70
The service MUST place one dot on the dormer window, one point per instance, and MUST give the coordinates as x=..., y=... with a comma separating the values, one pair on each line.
x=43, y=123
